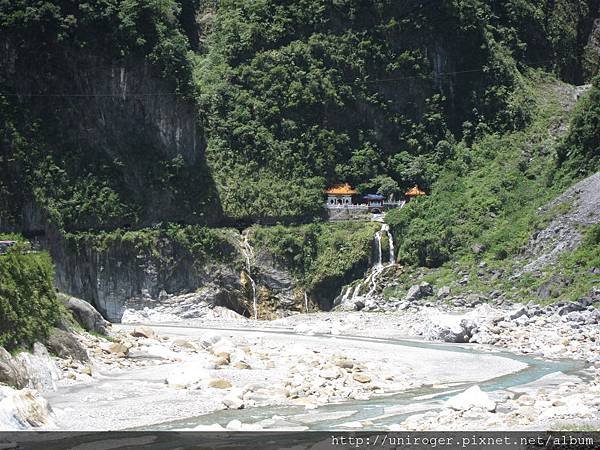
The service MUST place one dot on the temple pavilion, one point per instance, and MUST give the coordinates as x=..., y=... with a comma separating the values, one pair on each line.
x=413, y=192
x=340, y=195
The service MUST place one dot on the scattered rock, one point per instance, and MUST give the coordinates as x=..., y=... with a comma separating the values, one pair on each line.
x=361, y=377
x=478, y=248
x=419, y=291
x=117, y=348
x=241, y=365
x=443, y=292
x=344, y=363
x=23, y=409
x=86, y=315
x=219, y=383
x=473, y=397
x=144, y=332
x=11, y=373
x=233, y=401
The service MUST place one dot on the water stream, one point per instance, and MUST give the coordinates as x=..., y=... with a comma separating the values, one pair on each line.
x=249, y=255
x=351, y=294
x=380, y=411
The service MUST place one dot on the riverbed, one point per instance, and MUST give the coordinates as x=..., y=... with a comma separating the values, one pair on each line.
x=294, y=380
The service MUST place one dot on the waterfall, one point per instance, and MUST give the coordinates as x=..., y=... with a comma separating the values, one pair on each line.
x=385, y=228
x=370, y=283
x=377, y=240
x=305, y=302
x=248, y=254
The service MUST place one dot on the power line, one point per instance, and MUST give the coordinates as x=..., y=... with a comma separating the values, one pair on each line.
x=179, y=94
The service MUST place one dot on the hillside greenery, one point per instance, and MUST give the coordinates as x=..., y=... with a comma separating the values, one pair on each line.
x=29, y=307
x=289, y=96
x=487, y=203
x=489, y=194
x=318, y=252
x=162, y=243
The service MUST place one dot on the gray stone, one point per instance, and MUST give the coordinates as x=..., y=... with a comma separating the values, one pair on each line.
x=11, y=373
x=518, y=313
x=570, y=307
x=66, y=345
x=86, y=315
x=443, y=292
x=478, y=248
x=419, y=291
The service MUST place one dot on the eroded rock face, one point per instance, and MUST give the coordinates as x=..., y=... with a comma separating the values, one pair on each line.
x=564, y=233
x=86, y=315
x=34, y=370
x=65, y=345
x=23, y=410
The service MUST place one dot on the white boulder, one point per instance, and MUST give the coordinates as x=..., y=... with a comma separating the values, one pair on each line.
x=23, y=410
x=473, y=397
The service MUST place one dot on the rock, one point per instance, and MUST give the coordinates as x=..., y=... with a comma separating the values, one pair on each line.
x=359, y=305
x=478, y=248
x=219, y=383
x=241, y=365
x=522, y=311
x=473, y=397
x=23, y=409
x=144, y=332
x=344, y=363
x=576, y=316
x=186, y=376
x=156, y=351
x=182, y=343
x=419, y=291
x=448, y=328
x=117, y=348
x=361, y=377
x=330, y=373
x=11, y=373
x=86, y=315
x=233, y=401
x=66, y=345
x=403, y=306
x=443, y=292
x=39, y=368
x=570, y=307
x=220, y=362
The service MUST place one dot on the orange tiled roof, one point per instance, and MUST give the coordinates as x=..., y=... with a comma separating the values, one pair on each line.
x=412, y=192
x=341, y=189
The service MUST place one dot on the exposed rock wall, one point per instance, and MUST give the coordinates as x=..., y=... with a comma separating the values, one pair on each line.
x=112, y=277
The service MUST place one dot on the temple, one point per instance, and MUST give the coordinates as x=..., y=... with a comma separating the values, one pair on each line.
x=340, y=195
x=345, y=203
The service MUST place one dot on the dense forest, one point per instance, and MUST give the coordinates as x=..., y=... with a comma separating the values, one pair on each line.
x=134, y=112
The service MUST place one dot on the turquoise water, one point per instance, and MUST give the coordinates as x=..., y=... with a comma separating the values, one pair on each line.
x=381, y=411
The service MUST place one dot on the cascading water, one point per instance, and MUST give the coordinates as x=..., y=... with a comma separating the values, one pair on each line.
x=248, y=254
x=305, y=302
x=350, y=295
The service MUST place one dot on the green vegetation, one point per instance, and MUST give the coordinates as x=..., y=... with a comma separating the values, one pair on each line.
x=163, y=243
x=318, y=252
x=489, y=193
x=289, y=96
x=580, y=151
x=484, y=207
x=29, y=307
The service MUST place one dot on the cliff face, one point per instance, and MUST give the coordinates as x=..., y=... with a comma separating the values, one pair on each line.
x=185, y=271
x=125, y=145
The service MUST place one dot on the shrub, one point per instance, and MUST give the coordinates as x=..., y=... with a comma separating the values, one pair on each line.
x=29, y=307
